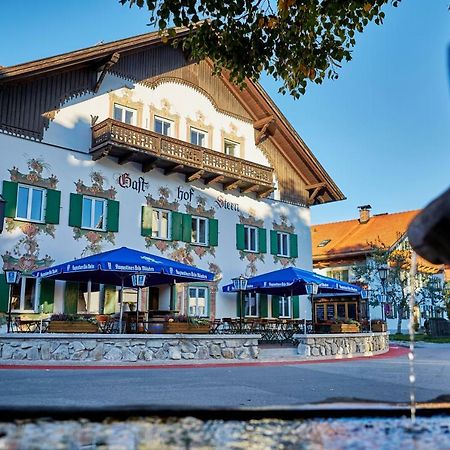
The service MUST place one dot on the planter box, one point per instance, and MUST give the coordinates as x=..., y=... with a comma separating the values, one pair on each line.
x=379, y=327
x=186, y=328
x=59, y=326
x=344, y=328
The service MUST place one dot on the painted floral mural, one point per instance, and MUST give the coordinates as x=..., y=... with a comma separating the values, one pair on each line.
x=25, y=254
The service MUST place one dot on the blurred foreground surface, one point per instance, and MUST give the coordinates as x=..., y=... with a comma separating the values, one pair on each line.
x=190, y=433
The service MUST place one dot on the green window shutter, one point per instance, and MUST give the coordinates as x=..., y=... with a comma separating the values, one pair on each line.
x=213, y=232
x=296, y=307
x=177, y=226
x=47, y=295
x=71, y=297
x=4, y=294
x=262, y=240
x=52, y=207
x=146, y=220
x=275, y=306
x=273, y=242
x=112, y=216
x=293, y=246
x=75, y=210
x=263, y=306
x=9, y=193
x=109, y=306
x=240, y=237
x=187, y=228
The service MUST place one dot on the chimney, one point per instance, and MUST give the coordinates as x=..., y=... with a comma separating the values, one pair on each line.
x=364, y=213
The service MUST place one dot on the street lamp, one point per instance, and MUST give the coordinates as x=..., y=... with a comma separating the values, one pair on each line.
x=2, y=212
x=311, y=289
x=240, y=285
x=383, y=274
x=138, y=281
x=12, y=277
x=365, y=295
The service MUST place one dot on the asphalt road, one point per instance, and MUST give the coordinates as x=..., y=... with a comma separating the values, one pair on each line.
x=371, y=379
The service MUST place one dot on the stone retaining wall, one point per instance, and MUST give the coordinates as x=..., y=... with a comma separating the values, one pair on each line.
x=126, y=348
x=342, y=345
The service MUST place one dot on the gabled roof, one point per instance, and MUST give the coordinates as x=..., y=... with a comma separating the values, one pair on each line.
x=254, y=99
x=351, y=240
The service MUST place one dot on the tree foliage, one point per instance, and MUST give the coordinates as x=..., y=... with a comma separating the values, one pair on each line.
x=295, y=41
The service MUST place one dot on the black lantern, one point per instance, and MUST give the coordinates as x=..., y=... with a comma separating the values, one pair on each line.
x=138, y=279
x=383, y=272
x=311, y=289
x=2, y=212
x=240, y=284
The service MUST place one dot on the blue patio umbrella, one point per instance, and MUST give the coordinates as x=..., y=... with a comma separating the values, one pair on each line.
x=292, y=280
x=117, y=266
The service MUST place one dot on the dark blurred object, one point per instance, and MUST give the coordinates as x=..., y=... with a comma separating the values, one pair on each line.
x=429, y=232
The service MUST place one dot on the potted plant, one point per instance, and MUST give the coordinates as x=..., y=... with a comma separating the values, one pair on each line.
x=187, y=324
x=345, y=326
x=378, y=325
x=72, y=323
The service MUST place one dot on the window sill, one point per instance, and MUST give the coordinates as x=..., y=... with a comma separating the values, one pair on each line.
x=198, y=244
x=21, y=219
x=161, y=238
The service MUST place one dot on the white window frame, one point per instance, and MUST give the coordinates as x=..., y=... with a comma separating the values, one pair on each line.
x=196, y=297
x=284, y=302
x=198, y=131
x=30, y=202
x=164, y=120
x=256, y=297
x=198, y=219
x=105, y=212
x=169, y=224
x=35, y=300
x=124, y=109
x=247, y=232
x=237, y=147
x=280, y=235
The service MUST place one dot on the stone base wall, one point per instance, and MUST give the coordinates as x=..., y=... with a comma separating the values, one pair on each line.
x=342, y=345
x=126, y=348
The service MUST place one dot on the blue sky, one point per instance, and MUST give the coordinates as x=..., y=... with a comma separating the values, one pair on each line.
x=382, y=131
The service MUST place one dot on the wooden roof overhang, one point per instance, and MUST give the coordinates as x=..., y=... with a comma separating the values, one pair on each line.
x=152, y=150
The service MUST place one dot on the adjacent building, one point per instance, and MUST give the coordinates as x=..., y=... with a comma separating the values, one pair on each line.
x=133, y=144
x=340, y=248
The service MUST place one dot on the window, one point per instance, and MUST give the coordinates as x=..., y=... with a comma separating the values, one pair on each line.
x=161, y=224
x=163, y=126
x=30, y=203
x=199, y=231
x=24, y=295
x=251, y=305
x=230, y=148
x=250, y=239
x=197, y=302
x=124, y=114
x=283, y=244
x=93, y=213
x=198, y=137
x=341, y=275
x=285, y=307
x=324, y=243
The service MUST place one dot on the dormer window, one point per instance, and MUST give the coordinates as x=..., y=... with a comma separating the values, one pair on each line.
x=324, y=242
x=163, y=126
x=124, y=114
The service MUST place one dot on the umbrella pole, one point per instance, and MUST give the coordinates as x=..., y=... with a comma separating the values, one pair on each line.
x=121, y=308
x=137, y=308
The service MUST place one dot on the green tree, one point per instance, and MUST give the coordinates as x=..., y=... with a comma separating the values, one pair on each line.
x=295, y=41
x=432, y=294
x=398, y=286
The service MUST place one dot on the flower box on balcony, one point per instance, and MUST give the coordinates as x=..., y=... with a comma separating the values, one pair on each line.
x=345, y=328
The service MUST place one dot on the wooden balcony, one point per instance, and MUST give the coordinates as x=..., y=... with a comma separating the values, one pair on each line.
x=133, y=144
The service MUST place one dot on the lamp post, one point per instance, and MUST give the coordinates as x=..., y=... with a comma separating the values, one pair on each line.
x=311, y=289
x=138, y=281
x=383, y=274
x=2, y=212
x=240, y=284
x=12, y=277
x=365, y=295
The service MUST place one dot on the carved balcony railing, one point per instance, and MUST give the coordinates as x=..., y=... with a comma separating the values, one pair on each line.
x=133, y=144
